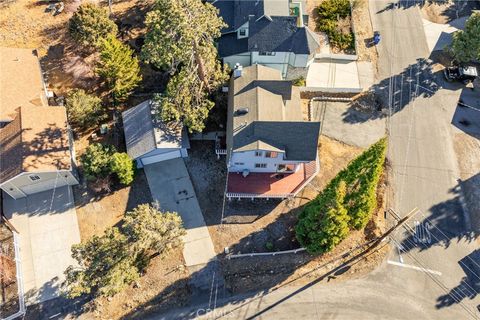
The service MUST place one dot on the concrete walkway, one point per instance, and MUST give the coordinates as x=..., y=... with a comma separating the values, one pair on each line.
x=440, y=35
x=48, y=227
x=171, y=186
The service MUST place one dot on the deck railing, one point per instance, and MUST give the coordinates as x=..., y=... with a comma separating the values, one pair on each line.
x=310, y=171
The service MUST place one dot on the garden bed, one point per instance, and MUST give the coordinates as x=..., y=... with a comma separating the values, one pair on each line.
x=334, y=17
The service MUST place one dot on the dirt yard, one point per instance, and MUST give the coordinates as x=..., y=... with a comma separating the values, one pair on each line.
x=362, y=24
x=164, y=285
x=364, y=32
x=25, y=24
x=467, y=149
x=446, y=11
x=267, y=225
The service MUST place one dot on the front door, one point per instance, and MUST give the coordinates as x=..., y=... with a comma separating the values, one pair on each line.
x=286, y=168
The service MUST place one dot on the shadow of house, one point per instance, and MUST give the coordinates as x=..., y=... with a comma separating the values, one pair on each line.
x=413, y=82
x=469, y=286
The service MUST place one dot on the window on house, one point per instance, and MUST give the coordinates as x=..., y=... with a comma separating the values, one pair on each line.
x=266, y=53
x=242, y=32
x=258, y=153
x=34, y=177
x=271, y=154
x=260, y=165
x=239, y=163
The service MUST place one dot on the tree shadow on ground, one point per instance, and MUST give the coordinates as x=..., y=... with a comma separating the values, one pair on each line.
x=416, y=80
x=234, y=280
x=469, y=286
x=454, y=9
x=274, y=272
x=467, y=113
x=442, y=226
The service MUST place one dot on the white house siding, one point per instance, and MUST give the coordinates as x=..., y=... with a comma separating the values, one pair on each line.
x=299, y=60
x=22, y=185
x=243, y=59
x=246, y=160
x=279, y=61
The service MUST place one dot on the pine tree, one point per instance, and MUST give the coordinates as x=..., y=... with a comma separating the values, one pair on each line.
x=152, y=230
x=122, y=165
x=84, y=111
x=347, y=202
x=180, y=38
x=105, y=266
x=466, y=43
x=326, y=221
x=118, y=67
x=96, y=161
x=90, y=24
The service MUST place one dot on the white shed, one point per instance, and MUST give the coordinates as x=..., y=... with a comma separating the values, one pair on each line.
x=149, y=140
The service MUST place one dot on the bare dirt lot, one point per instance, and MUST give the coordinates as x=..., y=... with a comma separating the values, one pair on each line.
x=97, y=212
x=267, y=225
x=467, y=149
x=446, y=11
x=164, y=285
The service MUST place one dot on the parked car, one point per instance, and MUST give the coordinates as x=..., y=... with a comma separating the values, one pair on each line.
x=465, y=74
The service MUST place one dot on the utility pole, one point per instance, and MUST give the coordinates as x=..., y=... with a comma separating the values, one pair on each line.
x=389, y=231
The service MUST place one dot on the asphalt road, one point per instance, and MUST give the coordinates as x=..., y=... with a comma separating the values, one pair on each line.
x=432, y=274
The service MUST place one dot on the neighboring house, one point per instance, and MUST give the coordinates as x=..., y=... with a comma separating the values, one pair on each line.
x=149, y=140
x=271, y=151
x=267, y=32
x=35, y=140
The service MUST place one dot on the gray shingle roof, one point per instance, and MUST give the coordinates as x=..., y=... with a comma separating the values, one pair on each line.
x=274, y=120
x=271, y=28
x=138, y=128
x=145, y=133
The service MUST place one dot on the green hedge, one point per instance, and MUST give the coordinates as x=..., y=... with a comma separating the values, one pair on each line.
x=326, y=220
x=328, y=14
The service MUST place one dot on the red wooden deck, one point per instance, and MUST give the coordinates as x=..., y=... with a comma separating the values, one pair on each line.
x=270, y=183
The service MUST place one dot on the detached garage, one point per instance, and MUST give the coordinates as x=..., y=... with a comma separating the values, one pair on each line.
x=150, y=140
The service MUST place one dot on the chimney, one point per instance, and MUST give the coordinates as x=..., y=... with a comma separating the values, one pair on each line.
x=237, y=72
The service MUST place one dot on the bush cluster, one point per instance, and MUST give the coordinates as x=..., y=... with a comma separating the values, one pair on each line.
x=101, y=160
x=347, y=202
x=109, y=263
x=330, y=13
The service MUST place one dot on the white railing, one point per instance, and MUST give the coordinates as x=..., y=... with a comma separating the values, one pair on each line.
x=237, y=195
x=256, y=195
x=221, y=151
x=18, y=265
x=256, y=254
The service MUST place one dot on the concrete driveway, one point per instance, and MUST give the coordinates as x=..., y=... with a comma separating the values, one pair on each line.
x=171, y=186
x=48, y=227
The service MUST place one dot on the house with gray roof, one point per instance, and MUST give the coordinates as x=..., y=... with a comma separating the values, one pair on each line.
x=272, y=33
x=271, y=149
x=148, y=139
